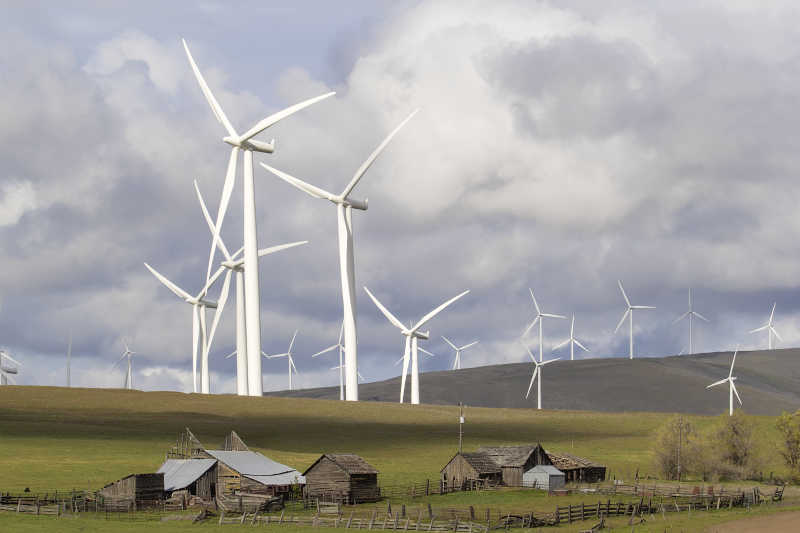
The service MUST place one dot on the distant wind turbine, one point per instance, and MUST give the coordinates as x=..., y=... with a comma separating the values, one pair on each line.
x=340, y=367
x=412, y=334
x=769, y=326
x=629, y=314
x=7, y=373
x=128, y=384
x=732, y=388
x=344, y=213
x=537, y=372
x=458, y=349
x=540, y=319
x=288, y=356
x=690, y=314
x=572, y=341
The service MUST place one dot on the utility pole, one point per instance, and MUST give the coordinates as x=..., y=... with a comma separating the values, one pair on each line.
x=680, y=444
x=460, y=425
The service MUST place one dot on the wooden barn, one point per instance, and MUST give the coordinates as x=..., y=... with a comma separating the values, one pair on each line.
x=141, y=489
x=342, y=477
x=577, y=468
x=471, y=470
x=514, y=461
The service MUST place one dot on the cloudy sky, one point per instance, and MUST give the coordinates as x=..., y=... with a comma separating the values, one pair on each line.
x=560, y=146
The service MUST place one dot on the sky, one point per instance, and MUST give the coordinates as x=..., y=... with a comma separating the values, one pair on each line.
x=559, y=146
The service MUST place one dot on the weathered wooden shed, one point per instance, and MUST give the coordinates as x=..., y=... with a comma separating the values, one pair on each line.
x=577, y=468
x=516, y=460
x=464, y=469
x=141, y=489
x=197, y=477
x=342, y=477
x=544, y=477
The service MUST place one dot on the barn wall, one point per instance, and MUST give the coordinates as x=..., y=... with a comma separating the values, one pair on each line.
x=512, y=476
x=228, y=480
x=457, y=471
x=326, y=479
x=148, y=487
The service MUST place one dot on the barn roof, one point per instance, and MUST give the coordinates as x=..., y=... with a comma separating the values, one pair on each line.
x=508, y=455
x=180, y=473
x=566, y=461
x=349, y=462
x=257, y=467
x=481, y=462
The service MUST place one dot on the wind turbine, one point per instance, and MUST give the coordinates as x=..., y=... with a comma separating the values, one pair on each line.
x=572, y=341
x=199, y=304
x=344, y=212
x=540, y=319
x=128, y=374
x=7, y=372
x=457, y=360
x=690, y=314
x=412, y=334
x=248, y=145
x=732, y=389
x=769, y=327
x=288, y=356
x=537, y=371
x=234, y=264
x=629, y=314
x=69, y=358
x=340, y=367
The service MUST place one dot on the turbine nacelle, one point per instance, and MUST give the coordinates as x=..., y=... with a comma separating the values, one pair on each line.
x=251, y=144
x=363, y=205
x=424, y=335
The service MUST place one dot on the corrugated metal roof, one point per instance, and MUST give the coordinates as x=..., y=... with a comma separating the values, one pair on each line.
x=257, y=467
x=180, y=473
x=546, y=469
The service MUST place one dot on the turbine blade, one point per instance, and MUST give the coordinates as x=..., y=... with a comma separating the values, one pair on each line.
x=621, y=320
x=215, y=107
x=684, y=315
x=438, y=310
x=619, y=281
x=227, y=190
x=584, y=348
x=549, y=315
x=307, y=188
x=211, y=281
x=557, y=346
x=223, y=297
x=272, y=249
x=291, y=343
x=230, y=354
x=177, y=291
x=733, y=361
x=736, y=392
x=533, y=378
x=373, y=156
x=291, y=363
x=17, y=362
x=701, y=317
x=642, y=307
x=423, y=350
x=341, y=333
x=406, y=351
x=772, y=313
x=776, y=333
x=393, y=319
x=450, y=343
x=549, y=361
x=572, y=327
x=535, y=320
x=473, y=343
x=326, y=350
x=535, y=303
x=720, y=382
x=280, y=115
x=762, y=328
x=399, y=360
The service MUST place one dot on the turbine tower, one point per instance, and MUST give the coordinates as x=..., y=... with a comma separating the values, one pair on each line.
x=572, y=341
x=732, y=388
x=288, y=356
x=457, y=360
x=7, y=373
x=690, y=314
x=540, y=319
x=344, y=211
x=537, y=372
x=128, y=384
x=412, y=334
x=340, y=367
x=199, y=305
x=629, y=314
x=769, y=327
x=233, y=263
x=248, y=145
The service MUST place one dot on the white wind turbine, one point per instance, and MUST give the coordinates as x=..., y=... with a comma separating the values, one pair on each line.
x=233, y=263
x=769, y=327
x=340, y=367
x=572, y=341
x=128, y=384
x=199, y=304
x=458, y=349
x=732, y=388
x=690, y=314
x=248, y=145
x=344, y=210
x=629, y=314
x=412, y=334
x=540, y=319
x=288, y=356
x=537, y=371
x=7, y=373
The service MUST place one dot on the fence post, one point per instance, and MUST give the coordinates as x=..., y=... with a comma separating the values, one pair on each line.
x=427, y=487
x=471, y=513
x=430, y=511
x=403, y=511
x=569, y=514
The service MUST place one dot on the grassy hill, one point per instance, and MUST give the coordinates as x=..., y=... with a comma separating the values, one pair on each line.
x=58, y=438
x=769, y=383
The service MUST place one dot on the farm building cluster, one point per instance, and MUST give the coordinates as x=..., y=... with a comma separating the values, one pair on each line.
x=233, y=476
x=518, y=466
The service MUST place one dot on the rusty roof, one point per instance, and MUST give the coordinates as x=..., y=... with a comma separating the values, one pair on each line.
x=566, y=461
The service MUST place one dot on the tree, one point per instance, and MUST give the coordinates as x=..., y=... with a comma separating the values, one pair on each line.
x=789, y=427
x=736, y=446
x=672, y=446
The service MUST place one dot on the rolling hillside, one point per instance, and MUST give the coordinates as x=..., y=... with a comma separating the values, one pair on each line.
x=768, y=382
